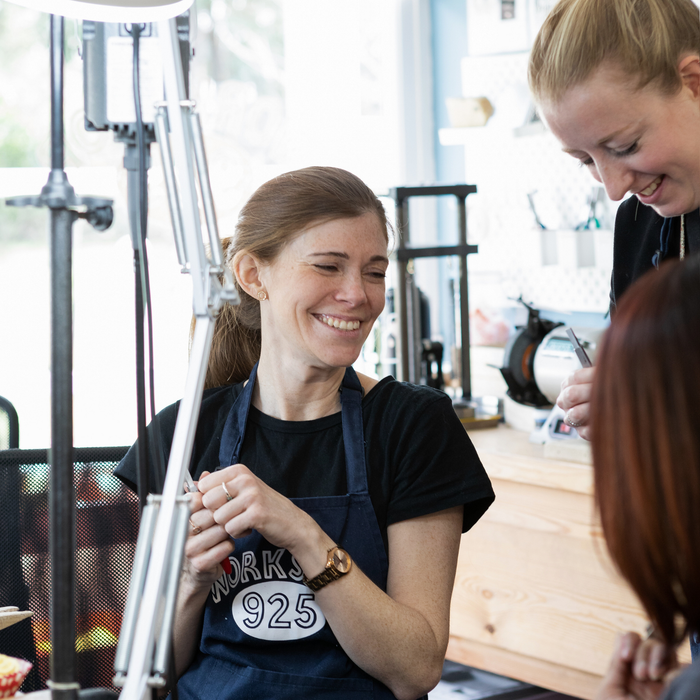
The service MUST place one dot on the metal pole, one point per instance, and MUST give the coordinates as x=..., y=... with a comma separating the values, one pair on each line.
x=464, y=303
x=56, y=92
x=62, y=494
x=400, y=297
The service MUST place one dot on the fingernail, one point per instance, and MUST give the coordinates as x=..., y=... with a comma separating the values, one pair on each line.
x=625, y=648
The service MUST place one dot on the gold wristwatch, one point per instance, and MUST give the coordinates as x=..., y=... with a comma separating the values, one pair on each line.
x=338, y=564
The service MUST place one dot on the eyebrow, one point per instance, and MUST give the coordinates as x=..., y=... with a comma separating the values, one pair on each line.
x=345, y=256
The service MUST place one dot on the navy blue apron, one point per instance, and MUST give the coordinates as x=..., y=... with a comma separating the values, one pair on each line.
x=264, y=636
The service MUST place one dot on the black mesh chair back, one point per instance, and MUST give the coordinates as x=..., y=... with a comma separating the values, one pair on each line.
x=106, y=533
x=9, y=425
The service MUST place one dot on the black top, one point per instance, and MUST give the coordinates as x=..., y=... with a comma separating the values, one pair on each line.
x=638, y=239
x=686, y=686
x=419, y=458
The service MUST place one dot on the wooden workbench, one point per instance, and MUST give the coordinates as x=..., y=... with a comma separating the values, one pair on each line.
x=536, y=597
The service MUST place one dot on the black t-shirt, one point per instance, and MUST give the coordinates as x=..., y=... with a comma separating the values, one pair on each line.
x=638, y=238
x=686, y=686
x=419, y=458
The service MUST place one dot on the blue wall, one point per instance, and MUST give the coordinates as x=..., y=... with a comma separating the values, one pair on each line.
x=449, y=46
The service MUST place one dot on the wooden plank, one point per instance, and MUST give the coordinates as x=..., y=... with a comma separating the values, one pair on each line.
x=534, y=580
x=569, y=451
x=530, y=577
x=9, y=615
x=524, y=668
x=509, y=455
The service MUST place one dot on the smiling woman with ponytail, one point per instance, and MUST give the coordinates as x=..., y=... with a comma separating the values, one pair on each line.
x=337, y=498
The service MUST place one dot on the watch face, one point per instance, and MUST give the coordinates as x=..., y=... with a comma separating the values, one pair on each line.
x=341, y=561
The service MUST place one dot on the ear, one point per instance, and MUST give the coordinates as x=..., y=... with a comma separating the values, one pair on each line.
x=248, y=270
x=689, y=69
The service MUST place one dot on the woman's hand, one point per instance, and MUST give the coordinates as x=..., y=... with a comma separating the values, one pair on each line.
x=239, y=502
x=653, y=660
x=637, y=669
x=207, y=545
x=575, y=399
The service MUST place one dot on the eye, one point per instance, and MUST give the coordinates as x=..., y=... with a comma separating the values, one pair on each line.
x=585, y=162
x=627, y=151
x=326, y=268
x=378, y=274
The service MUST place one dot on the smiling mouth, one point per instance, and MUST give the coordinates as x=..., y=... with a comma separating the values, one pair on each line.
x=652, y=188
x=338, y=323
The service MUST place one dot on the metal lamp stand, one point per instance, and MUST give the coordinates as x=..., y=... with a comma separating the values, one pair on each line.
x=59, y=196
x=145, y=635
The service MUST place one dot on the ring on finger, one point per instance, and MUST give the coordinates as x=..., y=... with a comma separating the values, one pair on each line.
x=573, y=423
x=195, y=528
x=229, y=497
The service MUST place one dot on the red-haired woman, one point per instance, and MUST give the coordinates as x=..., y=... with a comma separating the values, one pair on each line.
x=646, y=453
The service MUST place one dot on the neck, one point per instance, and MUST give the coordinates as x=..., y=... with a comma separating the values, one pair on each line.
x=295, y=393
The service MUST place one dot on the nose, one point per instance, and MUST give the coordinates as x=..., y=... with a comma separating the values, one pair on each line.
x=352, y=291
x=616, y=177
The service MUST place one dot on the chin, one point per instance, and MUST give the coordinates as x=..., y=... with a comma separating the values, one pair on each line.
x=671, y=210
x=340, y=359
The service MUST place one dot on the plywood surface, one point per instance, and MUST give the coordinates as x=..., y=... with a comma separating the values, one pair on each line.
x=536, y=597
x=507, y=454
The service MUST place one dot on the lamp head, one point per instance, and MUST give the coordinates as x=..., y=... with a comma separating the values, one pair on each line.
x=120, y=11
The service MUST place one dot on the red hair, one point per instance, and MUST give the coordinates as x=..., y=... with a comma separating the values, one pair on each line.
x=646, y=443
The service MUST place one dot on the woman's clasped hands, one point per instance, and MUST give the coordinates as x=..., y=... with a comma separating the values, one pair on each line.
x=230, y=504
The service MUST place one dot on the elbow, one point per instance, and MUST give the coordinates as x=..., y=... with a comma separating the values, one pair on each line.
x=418, y=685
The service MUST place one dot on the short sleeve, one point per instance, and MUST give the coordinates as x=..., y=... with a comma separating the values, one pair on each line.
x=434, y=465
x=205, y=451
x=157, y=440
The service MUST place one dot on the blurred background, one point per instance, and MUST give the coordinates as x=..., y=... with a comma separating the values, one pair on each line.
x=378, y=87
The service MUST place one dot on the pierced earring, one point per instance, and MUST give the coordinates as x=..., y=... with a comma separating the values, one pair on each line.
x=262, y=296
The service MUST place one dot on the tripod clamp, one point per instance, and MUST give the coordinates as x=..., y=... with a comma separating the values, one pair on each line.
x=59, y=194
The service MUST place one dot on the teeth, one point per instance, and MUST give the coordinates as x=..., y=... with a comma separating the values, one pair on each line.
x=342, y=325
x=652, y=188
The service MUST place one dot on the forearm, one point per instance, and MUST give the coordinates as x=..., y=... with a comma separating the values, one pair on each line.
x=187, y=629
x=391, y=642
x=399, y=637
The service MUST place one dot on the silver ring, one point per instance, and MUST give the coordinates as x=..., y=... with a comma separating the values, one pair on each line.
x=229, y=497
x=572, y=423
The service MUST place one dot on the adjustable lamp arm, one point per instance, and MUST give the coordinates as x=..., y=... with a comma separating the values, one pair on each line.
x=156, y=600
x=150, y=606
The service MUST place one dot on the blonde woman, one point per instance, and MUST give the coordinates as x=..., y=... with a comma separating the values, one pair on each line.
x=618, y=84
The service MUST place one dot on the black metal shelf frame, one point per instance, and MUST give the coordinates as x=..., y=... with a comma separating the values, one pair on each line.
x=407, y=310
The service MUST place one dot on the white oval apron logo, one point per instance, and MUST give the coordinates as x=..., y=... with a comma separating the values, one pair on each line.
x=277, y=611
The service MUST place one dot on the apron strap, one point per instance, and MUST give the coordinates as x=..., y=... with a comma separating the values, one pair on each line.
x=232, y=440
x=353, y=432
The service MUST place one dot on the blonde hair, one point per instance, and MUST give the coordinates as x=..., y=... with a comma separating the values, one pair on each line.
x=644, y=38
x=274, y=216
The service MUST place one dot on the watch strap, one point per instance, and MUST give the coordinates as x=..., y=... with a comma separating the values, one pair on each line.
x=330, y=573
x=324, y=578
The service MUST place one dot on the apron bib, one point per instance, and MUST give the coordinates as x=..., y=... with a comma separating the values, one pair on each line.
x=264, y=636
